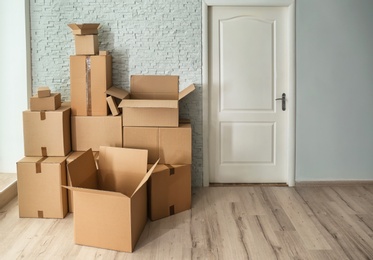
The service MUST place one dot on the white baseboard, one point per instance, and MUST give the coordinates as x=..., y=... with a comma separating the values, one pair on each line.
x=334, y=183
x=8, y=193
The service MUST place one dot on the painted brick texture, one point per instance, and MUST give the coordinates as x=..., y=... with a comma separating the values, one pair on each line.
x=161, y=37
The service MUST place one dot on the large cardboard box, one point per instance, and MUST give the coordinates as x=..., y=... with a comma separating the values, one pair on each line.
x=40, y=194
x=48, y=103
x=95, y=131
x=169, y=190
x=154, y=101
x=71, y=157
x=110, y=205
x=90, y=77
x=47, y=133
x=172, y=145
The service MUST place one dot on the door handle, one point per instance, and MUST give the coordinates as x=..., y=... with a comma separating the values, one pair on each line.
x=283, y=99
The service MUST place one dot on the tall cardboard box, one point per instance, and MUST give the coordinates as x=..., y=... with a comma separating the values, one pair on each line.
x=95, y=131
x=47, y=133
x=171, y=145
x=154, y=101
x=71, y=157
x=169, y=190
x=110, y=207
x=90, y=77
x=40, y=194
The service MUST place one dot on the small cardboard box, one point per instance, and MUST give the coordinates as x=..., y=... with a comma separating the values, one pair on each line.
x=172, y=145
x=86, y=45
x=154, y=101
x=47, y=133
x=115, y=95
x=71, y=157
x=50, y=103
x=113, y=106
x=110, y=206
x=39, y=181
x=91, y=132
x=84, y=29
x=169, y=190
x=90, y=77
x=44, y=92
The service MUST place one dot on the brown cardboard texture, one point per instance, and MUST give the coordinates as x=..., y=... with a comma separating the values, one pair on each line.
x=84, y=29
x=86, y=45
x=172, y=145
x=90, y=77
x=95, y=131
x=118, y=93
x=47, y=133
x=169, y=190
x=154, y=101
x=113, y=213
x=44, y=92
x=113, y=106
x=50, y=103
x=39, y=181
x=79, y=181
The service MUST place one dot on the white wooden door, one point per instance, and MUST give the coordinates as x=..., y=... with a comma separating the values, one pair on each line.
x=248, y=70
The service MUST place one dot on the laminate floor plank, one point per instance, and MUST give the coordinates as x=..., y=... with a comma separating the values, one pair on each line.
x=243, y=222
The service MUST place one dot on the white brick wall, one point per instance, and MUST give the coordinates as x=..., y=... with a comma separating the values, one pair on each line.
x=144, y=37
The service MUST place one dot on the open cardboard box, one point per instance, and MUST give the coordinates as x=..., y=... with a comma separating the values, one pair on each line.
x=110, y=204
x=154, y=101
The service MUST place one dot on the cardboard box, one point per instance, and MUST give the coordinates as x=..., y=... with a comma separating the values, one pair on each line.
x=154, y=101
x=172, y=145
x=52, y=102
x=71, y=157
x=86, y=45
x=47, y=133
x=113, y=106
x=44, y=92
x=91, y=132
x=40, y=194
x=90, y=77
x=169, y=190
x=84, y=29
x=110, y=208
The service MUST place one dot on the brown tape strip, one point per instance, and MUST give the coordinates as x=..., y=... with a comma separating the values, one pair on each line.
x=44, y=152
x=40, y=214
x=172, y=169
x=88, y=85
x=172, y=210
x=42, y=115
x=38, y=165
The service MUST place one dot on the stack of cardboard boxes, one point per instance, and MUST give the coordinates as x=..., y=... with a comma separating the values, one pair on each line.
x=131, y=154
x=46, y=128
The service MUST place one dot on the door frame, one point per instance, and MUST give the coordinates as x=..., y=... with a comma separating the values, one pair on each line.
x=290, y=4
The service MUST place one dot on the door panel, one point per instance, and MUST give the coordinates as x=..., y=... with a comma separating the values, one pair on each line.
x=248, y=70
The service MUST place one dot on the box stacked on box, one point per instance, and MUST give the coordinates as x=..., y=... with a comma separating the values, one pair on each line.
x=46, y=128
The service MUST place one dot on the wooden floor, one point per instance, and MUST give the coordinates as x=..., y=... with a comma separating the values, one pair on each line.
x=257, y=222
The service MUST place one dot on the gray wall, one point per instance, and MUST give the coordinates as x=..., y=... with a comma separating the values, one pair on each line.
x=334, y=90
x=334, y=69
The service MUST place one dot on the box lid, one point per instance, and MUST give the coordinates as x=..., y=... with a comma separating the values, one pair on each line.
x=85, y=28
x=141, y=103
x=122, y=171
x=117, y=93
x=186, y=91
x=155, y=87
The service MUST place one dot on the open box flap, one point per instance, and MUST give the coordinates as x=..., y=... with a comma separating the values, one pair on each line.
x=146, y=177
x=141, y=103
x=117, y=93
x=85, y=28
x=155, y=87
x=83, y=171
x=186, y=91
x=94, y=191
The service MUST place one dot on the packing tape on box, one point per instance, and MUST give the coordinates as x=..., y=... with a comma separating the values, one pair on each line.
x=40, y=214
x=42, y=115
x=38, y=165
x=88, y=85
x=172, y=169
x=172, y=210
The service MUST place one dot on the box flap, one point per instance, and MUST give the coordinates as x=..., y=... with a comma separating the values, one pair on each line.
x=186, y=91
x=85, y=28
x=117, y=93
x=30, y=159
x=155, y=87
x=83, y=171
x=121, y=169
x=146, y=177
x=137, y=103
x=95, y=191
